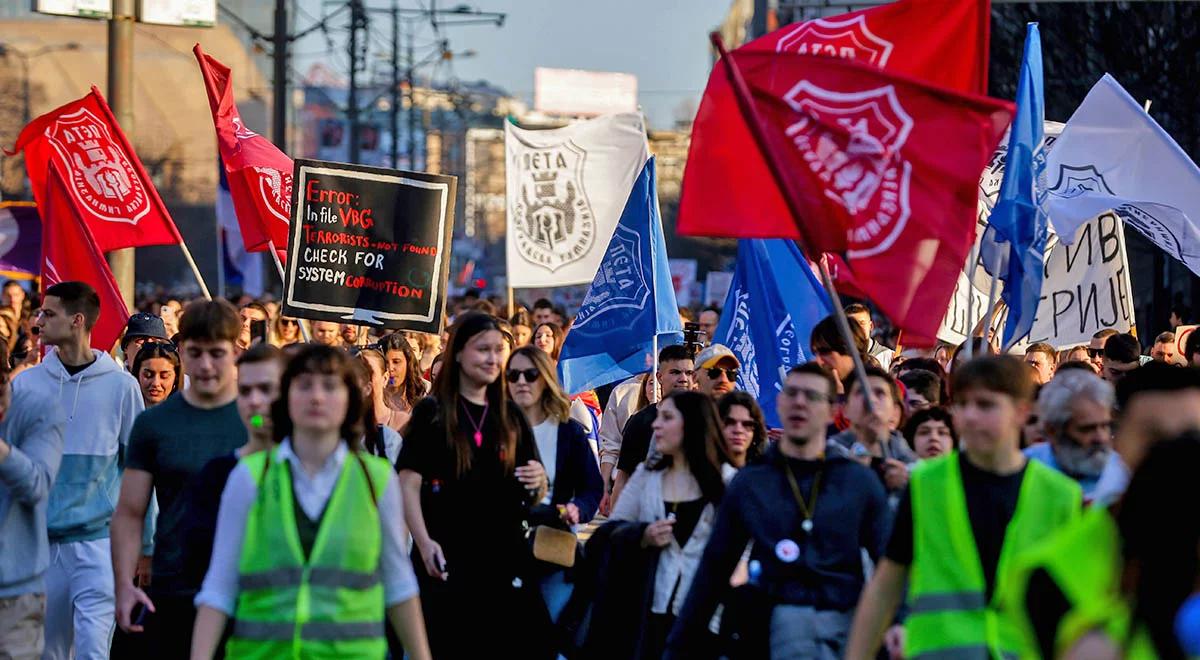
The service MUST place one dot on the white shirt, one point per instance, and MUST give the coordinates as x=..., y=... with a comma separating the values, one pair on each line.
x=220, y=588
x=546, y=436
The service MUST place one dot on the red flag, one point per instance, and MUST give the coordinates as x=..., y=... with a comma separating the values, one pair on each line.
x=879, y=167
x=106, y=183
x=259, y=174
x=70, y=253
x=944, y=42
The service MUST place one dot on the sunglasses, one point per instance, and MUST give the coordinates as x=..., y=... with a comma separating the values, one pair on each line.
x=288, y=322
x=1095, y=352
x=514, y=375
x=731, y=374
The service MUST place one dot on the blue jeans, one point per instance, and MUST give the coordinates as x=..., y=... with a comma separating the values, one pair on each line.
x=555, y=592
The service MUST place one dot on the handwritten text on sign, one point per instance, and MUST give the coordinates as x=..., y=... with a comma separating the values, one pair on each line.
x=369, y=245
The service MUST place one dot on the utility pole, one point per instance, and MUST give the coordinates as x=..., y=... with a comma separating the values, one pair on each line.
x=412, y=102
x=358, y=19
x=120, y=98
x=394, y=115
x=279, y=88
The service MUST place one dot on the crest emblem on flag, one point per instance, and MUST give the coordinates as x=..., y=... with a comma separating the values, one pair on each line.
x=1152, y=227
x=1076, y=181
x=743, y=345
x=100, y=175
x=555, y=224
x=852, y=143
x=276, y=190
x=620, y=283
x=847, y=38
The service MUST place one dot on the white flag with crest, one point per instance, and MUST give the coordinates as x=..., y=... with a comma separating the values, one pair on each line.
x=1112, y=155
x=566, y=188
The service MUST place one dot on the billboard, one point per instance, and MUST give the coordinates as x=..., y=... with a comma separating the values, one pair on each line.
x=583, y=93
x=185, y=13
x=78, y=8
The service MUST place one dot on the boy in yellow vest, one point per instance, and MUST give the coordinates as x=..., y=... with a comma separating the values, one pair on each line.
x=961, y=521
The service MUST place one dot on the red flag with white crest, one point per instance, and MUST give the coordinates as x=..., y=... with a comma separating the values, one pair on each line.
x=259, y=174
x=108, y=189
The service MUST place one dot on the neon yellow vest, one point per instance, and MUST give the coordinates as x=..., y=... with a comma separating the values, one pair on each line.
x=330, y=606
x=949, y=614
x=1084, y=560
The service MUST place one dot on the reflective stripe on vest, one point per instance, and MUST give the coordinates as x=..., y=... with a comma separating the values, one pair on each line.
x=330, y=604
x=950, y=616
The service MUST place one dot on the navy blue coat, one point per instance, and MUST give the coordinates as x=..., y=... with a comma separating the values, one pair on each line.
x=576, y=474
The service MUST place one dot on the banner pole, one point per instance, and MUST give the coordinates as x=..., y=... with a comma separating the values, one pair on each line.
x=187, y=254
x=511, y=310
x=283, y=280
x=843, y=324
x=972, y=259
x=991, y=305
x=654, y=369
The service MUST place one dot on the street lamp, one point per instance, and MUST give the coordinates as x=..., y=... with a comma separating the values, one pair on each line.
x=6, y=50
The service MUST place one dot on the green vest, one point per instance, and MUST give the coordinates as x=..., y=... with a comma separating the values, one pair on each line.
x=949, y=616
x=1084, y=560
x=330, y=605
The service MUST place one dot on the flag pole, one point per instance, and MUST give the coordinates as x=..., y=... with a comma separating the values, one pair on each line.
x=654, y=369
x=283, y=280
x=510, y=302
x=972, y=259
x=991, y=304
x=750, y=114
x=187, y=254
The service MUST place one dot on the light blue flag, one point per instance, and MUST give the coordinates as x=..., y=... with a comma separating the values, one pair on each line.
x=773, y=303
x=631, y=300
x=1015, y=242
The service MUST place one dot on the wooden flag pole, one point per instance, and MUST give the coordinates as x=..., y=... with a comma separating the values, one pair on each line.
x=750, y=114
x=282, y=279
x=187, y=254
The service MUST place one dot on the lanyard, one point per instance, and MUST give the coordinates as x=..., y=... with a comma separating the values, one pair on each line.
x=805, y=510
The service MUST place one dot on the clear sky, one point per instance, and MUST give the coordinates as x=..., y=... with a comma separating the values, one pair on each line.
x=663, y=42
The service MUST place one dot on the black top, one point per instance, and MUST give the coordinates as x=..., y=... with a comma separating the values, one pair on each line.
x=991, y=503
x=476, y=517
x=850, y=514
x=73, y=369
x=202, y=501
x=635, y=442
x=687, y=516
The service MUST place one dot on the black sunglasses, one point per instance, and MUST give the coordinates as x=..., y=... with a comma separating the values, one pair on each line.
x=731, y=374
x=530, y=375
x=1095, y=352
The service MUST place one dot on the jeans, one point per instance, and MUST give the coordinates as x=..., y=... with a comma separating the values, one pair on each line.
x=804, y=633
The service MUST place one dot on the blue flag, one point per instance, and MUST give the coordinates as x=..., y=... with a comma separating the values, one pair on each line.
x=1015, y=242
x=773, y=303
x=630, y=302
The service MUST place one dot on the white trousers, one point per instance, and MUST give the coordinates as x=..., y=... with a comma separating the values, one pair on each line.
x=80, y=601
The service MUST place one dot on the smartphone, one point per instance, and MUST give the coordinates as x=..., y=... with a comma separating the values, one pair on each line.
x=258, y=332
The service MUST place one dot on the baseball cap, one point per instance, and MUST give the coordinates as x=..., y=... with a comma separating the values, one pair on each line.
x=713, y=354
x=144, y=325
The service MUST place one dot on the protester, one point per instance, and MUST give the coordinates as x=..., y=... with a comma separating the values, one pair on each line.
x=717, y=370
x=13, y=296
x=543, y=312
x=1122, y=354
x=380, y=438
x=100, y=401
x=430, y=347
x=961, y=521
x=549, y=338
x=1096, y=348
x=1076, y=409
x=405, y=387
x=575, y=485
x=1164, y=350
x=1191, y=350
x=522, y=327
x=930, y=432
x=922, y=389
x=170, y=313
x=980, y=347
x=872, y=438
x=285, y=331
x=1043, y=358
x=1180, y=314
x=1074, y=354
x=158, y=371
x=251, y=313
x=321, y=512
x=710, y=318
x=350, y=333
x=326, y=333
x=806, y=514
x=674, y=502
x=859, y=314
x=141, y=329
x=169, y=445
x=623, y=402
x=675, y=373
x=831, y=350
x=743, y=428
x=470, y=472
x=31, y=449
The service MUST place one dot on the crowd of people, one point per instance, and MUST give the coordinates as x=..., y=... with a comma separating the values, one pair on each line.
x=232, y=482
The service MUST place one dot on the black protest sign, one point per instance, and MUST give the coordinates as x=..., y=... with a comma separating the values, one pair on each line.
x=369, y=246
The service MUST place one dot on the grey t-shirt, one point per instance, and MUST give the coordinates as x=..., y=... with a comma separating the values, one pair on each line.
x=173, y=441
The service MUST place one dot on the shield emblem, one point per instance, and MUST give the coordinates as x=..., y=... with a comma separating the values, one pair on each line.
x=847, y=38
x=1075, y=181
x=852, y=143
x=554, y=223
x=620, y=284
x=99, y=174
x=275, y=188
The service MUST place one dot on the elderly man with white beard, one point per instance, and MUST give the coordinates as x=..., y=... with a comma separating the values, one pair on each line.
x=1076, y=410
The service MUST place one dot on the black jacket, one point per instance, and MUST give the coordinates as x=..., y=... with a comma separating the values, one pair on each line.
x=576, y=474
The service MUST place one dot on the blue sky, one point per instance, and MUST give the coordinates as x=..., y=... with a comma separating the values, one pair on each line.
x=663, y=42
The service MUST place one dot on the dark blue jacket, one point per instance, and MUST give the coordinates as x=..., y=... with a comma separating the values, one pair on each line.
x=576, y=474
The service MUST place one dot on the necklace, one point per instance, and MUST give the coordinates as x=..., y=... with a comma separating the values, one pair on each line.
x=478, y=426
x=805, y=509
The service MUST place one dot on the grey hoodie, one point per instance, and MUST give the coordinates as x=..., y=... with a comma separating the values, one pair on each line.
x=100, y=404
x=34, y=430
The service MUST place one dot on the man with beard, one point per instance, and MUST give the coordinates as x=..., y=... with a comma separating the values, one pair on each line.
x=1076, y=410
